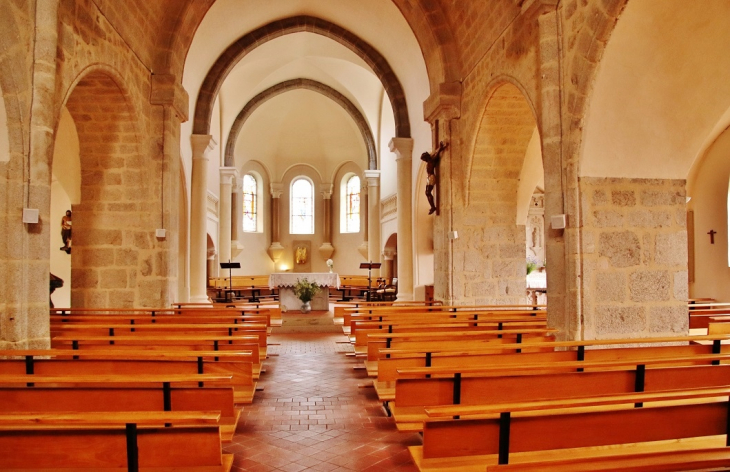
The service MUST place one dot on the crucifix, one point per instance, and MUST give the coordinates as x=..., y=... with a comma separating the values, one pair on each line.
x=712, y=234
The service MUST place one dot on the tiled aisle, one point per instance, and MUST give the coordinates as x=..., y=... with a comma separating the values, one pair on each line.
x=312, y=416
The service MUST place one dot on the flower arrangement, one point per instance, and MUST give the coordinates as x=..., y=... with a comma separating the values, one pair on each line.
x=330, y=264
x=305, y=290
x=532, y=264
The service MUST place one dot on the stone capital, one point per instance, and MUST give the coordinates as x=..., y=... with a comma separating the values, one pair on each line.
x=444, y=103
x=277, y=188
x=202, y=144
x=228, y=175
x=389, y=254
x=167, y=91
x=326, y=191
x=237, y=184
x=373, y=178
x=402, y=148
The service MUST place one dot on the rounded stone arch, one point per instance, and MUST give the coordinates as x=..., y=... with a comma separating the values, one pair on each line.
x=111, y=223
x=306, y=84
x=501, y=90
x=236, y=51
x=14, y=82
x=429, y=26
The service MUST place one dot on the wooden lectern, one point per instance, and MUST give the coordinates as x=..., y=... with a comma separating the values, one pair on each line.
x=369, y=266
x=230, y=266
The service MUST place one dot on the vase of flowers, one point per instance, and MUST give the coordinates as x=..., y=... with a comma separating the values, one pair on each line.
x=330, y=264
x=305, y=291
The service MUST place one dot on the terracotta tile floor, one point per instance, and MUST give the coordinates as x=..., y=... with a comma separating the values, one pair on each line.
x=312, y=416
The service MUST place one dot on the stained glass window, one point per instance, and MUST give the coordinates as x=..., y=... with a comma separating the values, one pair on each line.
x=250, y=214
x=352, y=205
x=302, y=207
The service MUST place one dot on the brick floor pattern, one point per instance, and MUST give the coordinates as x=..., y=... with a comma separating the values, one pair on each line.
x=314, y=415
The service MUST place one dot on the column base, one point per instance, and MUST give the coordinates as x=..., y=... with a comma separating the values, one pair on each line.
x=200, y=299
x=404, y=297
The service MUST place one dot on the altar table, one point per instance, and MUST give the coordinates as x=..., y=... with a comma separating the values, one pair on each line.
x=286, y=281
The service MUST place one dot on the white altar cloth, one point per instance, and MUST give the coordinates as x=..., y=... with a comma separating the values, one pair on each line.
x=287, y=280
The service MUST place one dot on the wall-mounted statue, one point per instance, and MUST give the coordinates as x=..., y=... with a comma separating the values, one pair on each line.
x=66, y=232
x=432, y=161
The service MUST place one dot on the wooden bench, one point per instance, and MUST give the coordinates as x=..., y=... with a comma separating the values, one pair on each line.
x=389, y=313
x=175, y=315
x=39, y=393
x=579, y=427
x=497, y=320
x=247, y=344
x=618, y=460
x=128, y=441
x=54, y=362
x=454, y=340
x=499, y=384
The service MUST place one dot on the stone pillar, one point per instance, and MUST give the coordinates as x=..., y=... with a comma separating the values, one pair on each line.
x=387, y=268
x=443, y=110
x=168, y=93
x=363, y=248
x=236, y=217
x=635, y=272
x=373, y=178
x=228, y=175
x=326, y=249
x=276, y=250
x=202, y=144
x=562, y=195
x=403, y=150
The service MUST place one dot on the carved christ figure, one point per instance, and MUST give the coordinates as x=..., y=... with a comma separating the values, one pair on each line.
x=431, y=161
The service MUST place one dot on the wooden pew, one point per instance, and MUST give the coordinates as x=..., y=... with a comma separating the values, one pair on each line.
x=470, y=319
x=580, y=427
x=85, y=393
x=389, y=313
x=432, y=387
x=340, y=307
x=174, y=315
x=454, y=340
x=128, y=441
x=248, y=344
x=54, y=362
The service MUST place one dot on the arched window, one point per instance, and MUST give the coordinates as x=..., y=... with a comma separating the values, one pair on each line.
x=351, y=205
x=302, y=207
x=250, y=209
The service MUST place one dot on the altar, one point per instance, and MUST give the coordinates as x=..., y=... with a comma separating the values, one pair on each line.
x=286, y=281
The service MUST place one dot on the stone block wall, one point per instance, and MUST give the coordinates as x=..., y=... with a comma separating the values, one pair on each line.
x=634, y=238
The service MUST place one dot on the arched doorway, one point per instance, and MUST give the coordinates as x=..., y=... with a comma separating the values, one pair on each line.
x=491, y=267
x=113, y=261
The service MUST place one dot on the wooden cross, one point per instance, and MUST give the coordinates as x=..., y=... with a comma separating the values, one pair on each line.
x=712, y=234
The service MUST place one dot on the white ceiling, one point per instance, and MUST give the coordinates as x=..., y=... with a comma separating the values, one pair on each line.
x=302, y=125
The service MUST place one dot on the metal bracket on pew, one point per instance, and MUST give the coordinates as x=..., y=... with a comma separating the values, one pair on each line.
x=639, y=382
x=456, y=396
x=132, y=449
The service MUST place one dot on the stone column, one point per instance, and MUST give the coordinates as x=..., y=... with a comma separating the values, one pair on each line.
x=168, y=94
x=403, y=150
x=228, y=175
x=326, y=249
x=373, y=178
x=236, y=217
x=443, y=110
x=276, y=249
x=202, y=144
x=363, y=248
